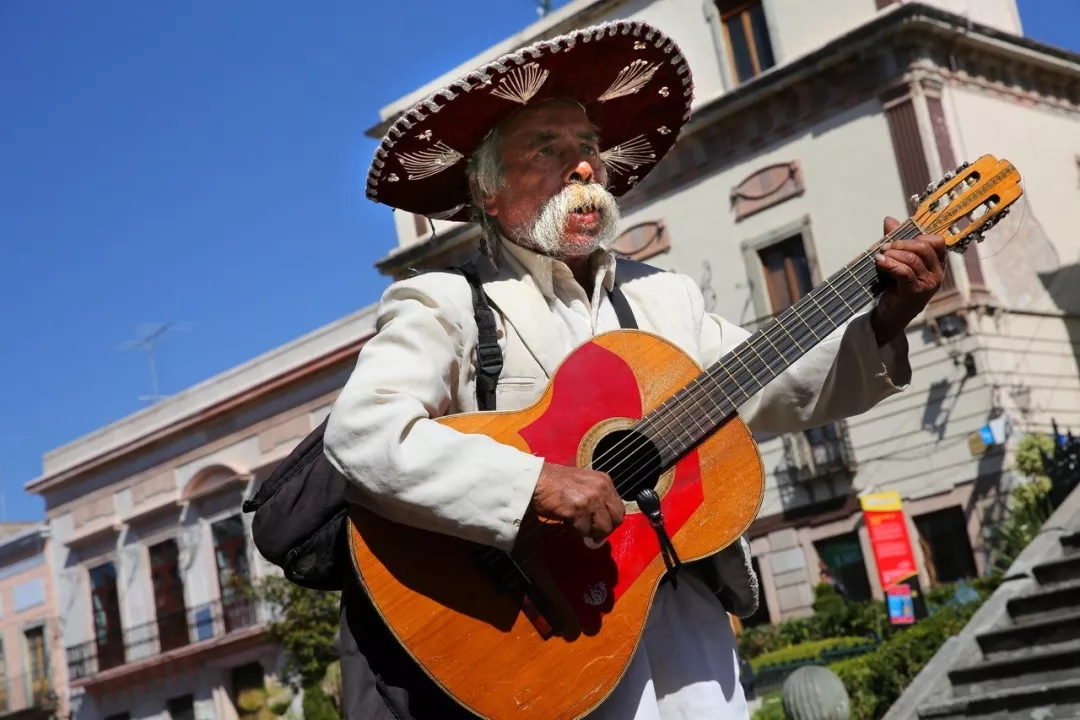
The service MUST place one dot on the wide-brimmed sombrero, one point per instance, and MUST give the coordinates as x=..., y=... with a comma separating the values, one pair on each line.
x=632, y=80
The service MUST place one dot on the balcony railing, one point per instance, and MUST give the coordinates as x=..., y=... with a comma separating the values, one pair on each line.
x=168, y=632
x=817, y=453
x=25, y=692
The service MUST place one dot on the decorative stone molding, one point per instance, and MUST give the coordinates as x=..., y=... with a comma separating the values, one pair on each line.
x=644, y=240
x=156, y=485
x=93, y=510
x=764, y=188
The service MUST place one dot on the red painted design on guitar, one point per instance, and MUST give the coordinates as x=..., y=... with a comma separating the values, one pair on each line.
x=594, y=384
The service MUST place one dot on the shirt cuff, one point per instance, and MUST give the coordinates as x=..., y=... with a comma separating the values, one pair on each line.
x=888, y=363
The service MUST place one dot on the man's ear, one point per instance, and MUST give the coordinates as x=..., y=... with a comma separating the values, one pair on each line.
x=484, y=202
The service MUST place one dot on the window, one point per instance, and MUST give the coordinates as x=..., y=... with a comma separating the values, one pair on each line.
x=946, y=546
x=746, y=37
x=38, y=661
x=230, y=551
x=842, y=564
x=168, y=595
x=105, y=600
x=181, y=708
x=787, y=272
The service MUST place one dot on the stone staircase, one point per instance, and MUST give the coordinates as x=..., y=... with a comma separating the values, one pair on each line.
x=1019, y=656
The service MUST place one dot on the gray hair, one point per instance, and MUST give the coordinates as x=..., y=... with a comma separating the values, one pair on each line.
x=487, y=176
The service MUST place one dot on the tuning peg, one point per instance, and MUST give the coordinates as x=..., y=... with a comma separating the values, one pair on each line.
x=962, y=166
x=914, y=200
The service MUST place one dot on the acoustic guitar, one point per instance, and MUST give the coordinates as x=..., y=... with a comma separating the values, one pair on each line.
x=547, y=630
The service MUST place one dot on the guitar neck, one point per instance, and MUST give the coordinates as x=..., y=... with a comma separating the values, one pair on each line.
x=695, y=412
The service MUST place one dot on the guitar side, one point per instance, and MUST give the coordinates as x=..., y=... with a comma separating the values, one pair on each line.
x=476, y=643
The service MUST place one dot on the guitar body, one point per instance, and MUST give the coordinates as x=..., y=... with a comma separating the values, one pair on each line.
x=477, y=641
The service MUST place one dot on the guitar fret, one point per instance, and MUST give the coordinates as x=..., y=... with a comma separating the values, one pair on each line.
x=697, y=409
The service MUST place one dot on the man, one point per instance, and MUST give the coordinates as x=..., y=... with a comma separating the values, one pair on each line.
x=535, y=147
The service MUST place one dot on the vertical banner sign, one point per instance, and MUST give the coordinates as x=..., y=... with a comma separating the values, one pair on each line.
x=897, y=571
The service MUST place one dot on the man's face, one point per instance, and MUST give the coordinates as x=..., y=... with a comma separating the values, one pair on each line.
x=553, y=199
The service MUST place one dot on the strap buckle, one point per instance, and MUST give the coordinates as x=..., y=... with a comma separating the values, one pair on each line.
x=489, y=358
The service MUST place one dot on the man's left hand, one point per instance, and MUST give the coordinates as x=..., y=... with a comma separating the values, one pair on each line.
x=918, y=268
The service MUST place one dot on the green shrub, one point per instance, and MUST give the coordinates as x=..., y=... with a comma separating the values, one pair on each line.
x=805, y=651
x=875, y=680
x=318, y=705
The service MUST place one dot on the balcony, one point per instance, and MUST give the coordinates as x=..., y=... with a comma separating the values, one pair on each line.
x=166, y=638
x=23, y=696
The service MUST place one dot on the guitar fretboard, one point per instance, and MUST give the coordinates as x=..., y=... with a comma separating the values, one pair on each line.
x=692, y=414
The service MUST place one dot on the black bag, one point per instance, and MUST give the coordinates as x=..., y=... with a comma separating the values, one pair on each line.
x=300, y=511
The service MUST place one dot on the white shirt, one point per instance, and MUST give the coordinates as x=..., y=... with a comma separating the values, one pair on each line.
x=686, y=666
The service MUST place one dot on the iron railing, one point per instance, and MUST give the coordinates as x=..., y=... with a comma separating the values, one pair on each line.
x=25, y=692
x=168, y=632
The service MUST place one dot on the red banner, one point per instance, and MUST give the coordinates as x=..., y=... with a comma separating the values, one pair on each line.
x=884, y=515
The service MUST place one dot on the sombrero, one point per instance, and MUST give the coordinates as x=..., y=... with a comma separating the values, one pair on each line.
x=632, y=80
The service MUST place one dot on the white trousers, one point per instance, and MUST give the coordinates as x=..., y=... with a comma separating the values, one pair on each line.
x=686, y=666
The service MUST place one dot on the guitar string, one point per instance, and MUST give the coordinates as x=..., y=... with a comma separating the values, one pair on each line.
x=806, y=333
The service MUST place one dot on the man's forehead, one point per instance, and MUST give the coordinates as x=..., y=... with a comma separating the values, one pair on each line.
x=551, y=118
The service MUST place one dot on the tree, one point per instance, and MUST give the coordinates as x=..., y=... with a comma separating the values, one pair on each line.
x=305, y=625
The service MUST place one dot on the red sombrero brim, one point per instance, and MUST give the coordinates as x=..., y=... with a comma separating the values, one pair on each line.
x=632, y=80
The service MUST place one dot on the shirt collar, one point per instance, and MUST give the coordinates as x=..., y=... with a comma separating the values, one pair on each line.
x=544, y=270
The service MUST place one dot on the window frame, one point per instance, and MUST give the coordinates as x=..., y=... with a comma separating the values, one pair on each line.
x=729, y=69
x=755, y=270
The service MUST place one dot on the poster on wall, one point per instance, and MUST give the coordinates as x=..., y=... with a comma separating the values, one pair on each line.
x=895, y=558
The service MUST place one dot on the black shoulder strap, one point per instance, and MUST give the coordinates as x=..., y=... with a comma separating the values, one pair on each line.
x=488, y=355
x=622, y=308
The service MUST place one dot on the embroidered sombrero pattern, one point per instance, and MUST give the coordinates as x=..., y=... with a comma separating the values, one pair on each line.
x=632, y=80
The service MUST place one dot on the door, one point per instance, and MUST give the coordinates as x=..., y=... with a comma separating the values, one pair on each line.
x=169, y=595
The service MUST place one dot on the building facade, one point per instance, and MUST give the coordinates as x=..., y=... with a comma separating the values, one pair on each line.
x=33, y=674
x=148, y=539
x=811, y=123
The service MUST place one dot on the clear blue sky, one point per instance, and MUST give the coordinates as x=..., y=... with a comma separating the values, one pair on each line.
x=203, y=162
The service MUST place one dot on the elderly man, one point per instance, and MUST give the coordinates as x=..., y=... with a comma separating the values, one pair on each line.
x=535, y=147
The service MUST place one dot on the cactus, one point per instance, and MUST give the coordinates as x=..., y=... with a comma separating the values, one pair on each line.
x=815, y=693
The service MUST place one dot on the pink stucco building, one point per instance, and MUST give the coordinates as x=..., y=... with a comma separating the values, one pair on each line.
x=33, y=674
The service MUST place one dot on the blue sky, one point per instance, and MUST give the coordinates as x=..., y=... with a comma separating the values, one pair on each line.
x=203, y=162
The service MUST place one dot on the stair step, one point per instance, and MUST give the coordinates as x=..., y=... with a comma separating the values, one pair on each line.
x=1063, y=569
x=1017, y=669
x=999, y=702
x=1038, y=631
x=1071, y=542
x=1047, y=599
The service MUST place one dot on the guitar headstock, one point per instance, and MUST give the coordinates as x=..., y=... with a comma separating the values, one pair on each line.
x=968, y=202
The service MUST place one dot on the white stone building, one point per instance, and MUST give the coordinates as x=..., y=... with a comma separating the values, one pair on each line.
x=812, y=121
x=147, y=533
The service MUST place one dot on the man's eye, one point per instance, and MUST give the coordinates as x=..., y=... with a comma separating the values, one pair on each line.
x=589, y=149
x=545, y=151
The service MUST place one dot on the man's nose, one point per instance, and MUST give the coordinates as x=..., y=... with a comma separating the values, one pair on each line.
x=581, y=173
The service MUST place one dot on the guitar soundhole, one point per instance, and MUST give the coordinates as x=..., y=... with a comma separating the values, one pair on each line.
x=631, y=459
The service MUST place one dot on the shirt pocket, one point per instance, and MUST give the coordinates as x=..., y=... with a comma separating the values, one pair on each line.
x=515, y=393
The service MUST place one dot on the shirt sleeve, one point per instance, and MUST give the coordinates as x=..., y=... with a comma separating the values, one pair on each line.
x=382, y=435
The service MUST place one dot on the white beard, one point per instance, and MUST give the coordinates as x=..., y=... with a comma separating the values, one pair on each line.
x=546, y=232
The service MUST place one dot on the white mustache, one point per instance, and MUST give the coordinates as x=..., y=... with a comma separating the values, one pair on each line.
x=550, y=222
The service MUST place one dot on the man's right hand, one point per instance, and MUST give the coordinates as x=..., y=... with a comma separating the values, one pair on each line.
x=584, y=499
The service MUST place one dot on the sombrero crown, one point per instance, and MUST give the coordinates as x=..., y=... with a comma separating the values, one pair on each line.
x=632, y=80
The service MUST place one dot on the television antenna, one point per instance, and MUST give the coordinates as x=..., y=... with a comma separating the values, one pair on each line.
x=149, y=335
